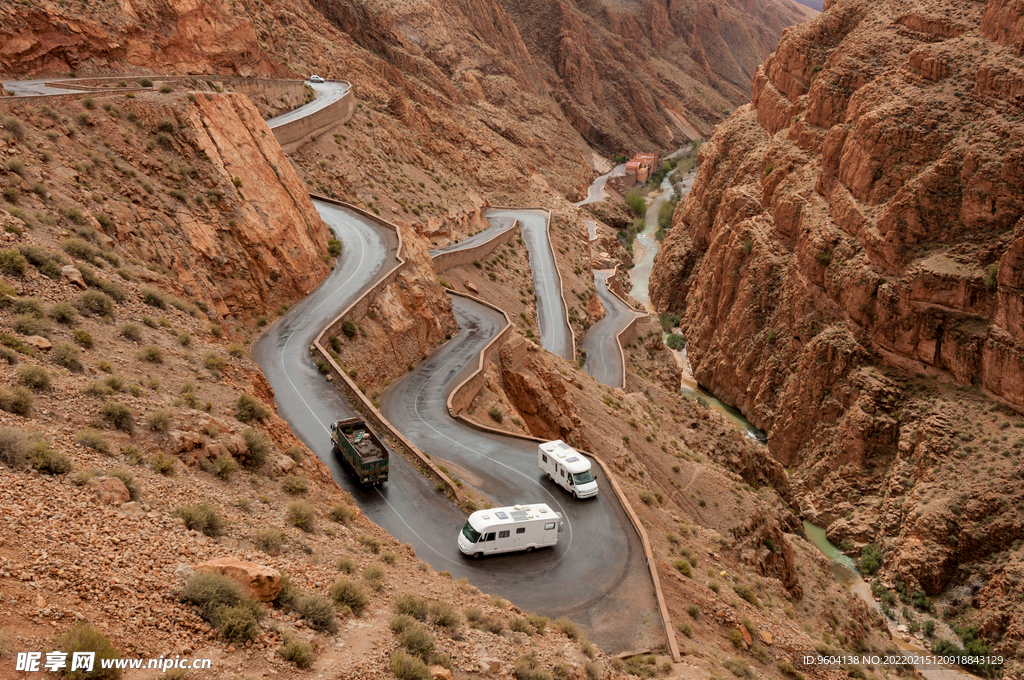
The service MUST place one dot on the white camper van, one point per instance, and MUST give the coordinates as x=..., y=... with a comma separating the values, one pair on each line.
x=567, y=467
x=519, y=527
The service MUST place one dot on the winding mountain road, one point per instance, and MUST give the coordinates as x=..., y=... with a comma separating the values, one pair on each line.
x=326, y=94
x=601, y=343
x=595, y=192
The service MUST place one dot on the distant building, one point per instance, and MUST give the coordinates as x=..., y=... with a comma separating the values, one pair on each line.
x=640, y=168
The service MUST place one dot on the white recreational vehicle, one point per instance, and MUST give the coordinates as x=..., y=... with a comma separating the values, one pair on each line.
x=519, y=527
x=567, y=467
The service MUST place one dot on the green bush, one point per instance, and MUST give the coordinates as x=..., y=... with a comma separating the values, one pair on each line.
x=519, y=624
x=345, y=565
x=445, y=615
x=249, y=408
x=495, y=413
x=13, y=446
x=151, y=354
x=270, y=541
x=96, y=302
x=239, y=623
x=224, y=466
x=46, y=262
x=370, y=543
x=683, y=567
x=36, y=377
x=118, y=415
x=675, y=342
x=294, y=484
x=302, y=514
x=162, y=464
x=131, y=332
x=870, y=559
x=400, y=622
x=346, y=593
x=407, y=667
x=154, y=297
x=258, y=445
x=82, y=637
x=67, y=355
x=636, y=202
x=63, y=312
x=333, y=247
x=159, y=420
x=417, y=640
x=16, y=400
x=115, y=291
x=738, y=667
x=30, y=324
x=214, y=362
x=568, y=627
x=407, y=603
x=319, y=611
x=93, y=439
x=349, y=329
x=12, y=262
x=342, y=512
x=527, y=667
x=747, y=594
x=45, y=459
x=202, y=518
x=298, y=652
x=83, y=338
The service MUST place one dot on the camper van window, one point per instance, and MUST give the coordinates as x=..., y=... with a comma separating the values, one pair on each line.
x=544, y=458
x=489, y=537
x=469, y=532
x=563, y=472
x=549, y=526
x=584, y=477
x=521, y=530
x=503, y=534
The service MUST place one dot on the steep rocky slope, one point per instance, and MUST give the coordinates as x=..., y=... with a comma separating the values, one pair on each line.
x=195, y=186
x=848, y=271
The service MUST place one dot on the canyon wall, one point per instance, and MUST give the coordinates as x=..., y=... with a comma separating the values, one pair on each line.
x=848, y=268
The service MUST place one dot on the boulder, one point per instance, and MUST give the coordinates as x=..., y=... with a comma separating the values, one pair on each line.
x=263, y=583
x=73, y=275
x=747, y=639
x=109, y=490
x=766, y=637
x=490, y=667
x=133, y=509
x=439, y=673
x=38, y=342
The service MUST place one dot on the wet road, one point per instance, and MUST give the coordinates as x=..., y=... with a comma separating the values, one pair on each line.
x=27, y=88
x=595, y=192
x=604, y=360
x=555, y=335
x=326, y=93
x=498, y=225
x=597, y=573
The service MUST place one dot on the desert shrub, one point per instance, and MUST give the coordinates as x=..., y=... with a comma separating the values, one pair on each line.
x=83, y=338
x=568, y=627
x=45, y=459
x=593, y=670
x=184, y=339
x=270, y=541
x=29, y=305
x=151, y=354
x=747, y=594
x=13, y=446
x=408, y=667
x=417, y=640
x=12, y=262
x=319, y=611
x=238, y=623
x=118, y=415
x=115, y=291
x=374, y=574
x=302, y=514
x=519, y=624
x=400, y=622
x=870, y=559
x=214, y=362
x=349, y=329
x=445, y=615
x=389, y=558
x=495, y=413
x=133, y=453
x=36, y=377
x=134, y=492
x=249, y=408
x=93, y=439
x=82, y=637
x=16, y=400
x=686, y=629
x=63, y=312
x=67, y=355
x=258, y=445
x=693, y=610
x=88, y=274
x=675, y=342
x=294, y=484
x=473, y=614
x=8, y=355
x=342, y=512
x=370, y=543
x=407, y=603
x=345, y=565
x=346, y=593
x=539, y=623
x=154, y=297
x=46, y=262
x=131, y=332
x=96, y=302
x=527, y=667
x=236, y=350
x=333, y=247
x=202, y=518
x=159, y=420
x=297, y=652
x=683, y=567
x=162, y=464
x=30, y=324
x=738, y=667
x=224, y=466
x=114, y=382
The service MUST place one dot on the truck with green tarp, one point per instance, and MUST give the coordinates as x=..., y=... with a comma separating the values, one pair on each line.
x=360, y=450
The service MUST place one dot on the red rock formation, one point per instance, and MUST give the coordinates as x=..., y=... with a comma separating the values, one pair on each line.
x=854, y=242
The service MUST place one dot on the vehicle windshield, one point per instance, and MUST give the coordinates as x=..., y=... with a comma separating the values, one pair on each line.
x=469, y=532
x=583, y=477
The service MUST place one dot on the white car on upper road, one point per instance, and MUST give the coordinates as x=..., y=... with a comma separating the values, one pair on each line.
x=315, y=79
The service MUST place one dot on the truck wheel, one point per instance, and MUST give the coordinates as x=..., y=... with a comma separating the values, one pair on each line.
x=477, y=555
x=530, y=549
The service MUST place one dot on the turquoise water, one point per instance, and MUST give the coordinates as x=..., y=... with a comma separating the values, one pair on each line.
x=843, y=566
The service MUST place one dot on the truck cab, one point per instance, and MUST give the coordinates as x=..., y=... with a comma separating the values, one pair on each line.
x=568, y=468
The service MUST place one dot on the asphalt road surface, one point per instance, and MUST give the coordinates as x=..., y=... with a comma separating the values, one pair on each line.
x=604, y=360
x=498, y=225
x=326, y=93
x=27, y=88
x=596, y=575
x=555, y=335
x=595, y=192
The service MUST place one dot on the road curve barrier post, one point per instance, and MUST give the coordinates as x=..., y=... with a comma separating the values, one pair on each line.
x=345, y=382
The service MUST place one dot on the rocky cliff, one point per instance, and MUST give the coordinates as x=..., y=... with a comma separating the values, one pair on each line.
x=848, y=268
